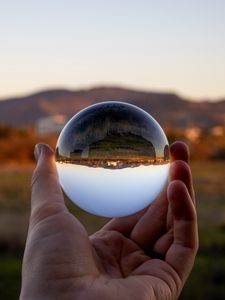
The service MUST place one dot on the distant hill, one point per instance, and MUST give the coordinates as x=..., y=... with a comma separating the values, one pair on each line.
x=168, y=109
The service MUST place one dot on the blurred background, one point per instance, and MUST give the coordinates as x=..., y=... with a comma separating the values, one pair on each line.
x=167, y=57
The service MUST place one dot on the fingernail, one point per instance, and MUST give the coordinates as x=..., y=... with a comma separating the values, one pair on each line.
x=37, y=151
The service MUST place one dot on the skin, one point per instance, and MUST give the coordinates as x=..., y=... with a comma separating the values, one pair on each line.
x=142, y=257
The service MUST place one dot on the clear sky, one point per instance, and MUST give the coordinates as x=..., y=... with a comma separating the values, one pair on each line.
x=163, y=45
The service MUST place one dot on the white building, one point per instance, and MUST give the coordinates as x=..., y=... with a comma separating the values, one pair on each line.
x=51, y=124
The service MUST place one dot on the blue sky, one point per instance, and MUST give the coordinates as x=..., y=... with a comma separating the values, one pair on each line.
x=176, y=46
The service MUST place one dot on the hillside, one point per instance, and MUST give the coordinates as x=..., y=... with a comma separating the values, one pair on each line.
x=168, y=109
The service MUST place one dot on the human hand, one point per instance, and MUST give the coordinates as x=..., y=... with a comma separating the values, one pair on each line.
x=145, y=256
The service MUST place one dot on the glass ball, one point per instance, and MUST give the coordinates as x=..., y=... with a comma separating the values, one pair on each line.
x=112, y=159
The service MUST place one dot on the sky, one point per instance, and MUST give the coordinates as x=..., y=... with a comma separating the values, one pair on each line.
x=166, y=46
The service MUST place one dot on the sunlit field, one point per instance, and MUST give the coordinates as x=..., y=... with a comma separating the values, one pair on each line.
x=208, y=277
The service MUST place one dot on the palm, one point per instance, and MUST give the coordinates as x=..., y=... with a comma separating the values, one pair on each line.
x=130, y=272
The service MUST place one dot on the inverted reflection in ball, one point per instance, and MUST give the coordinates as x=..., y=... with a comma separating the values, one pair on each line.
x=112, y=159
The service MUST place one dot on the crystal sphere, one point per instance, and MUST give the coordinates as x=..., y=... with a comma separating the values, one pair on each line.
x=112, y=159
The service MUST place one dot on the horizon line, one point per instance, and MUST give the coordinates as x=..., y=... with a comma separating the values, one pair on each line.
x=36, y=91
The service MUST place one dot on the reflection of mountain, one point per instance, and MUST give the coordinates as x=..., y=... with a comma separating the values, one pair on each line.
x=112, y=120
x=118, y=145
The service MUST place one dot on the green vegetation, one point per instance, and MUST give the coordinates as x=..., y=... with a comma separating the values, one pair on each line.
x=10, y=269
x=208, y=276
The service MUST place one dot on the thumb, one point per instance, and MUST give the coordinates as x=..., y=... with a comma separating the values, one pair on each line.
x=47, y=198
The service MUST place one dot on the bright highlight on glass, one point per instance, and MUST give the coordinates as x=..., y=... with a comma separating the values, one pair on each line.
x=112, y=159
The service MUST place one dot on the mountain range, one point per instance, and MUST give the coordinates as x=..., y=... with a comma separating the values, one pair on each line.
x=167, y=108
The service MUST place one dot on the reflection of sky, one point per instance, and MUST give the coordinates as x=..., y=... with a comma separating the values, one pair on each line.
x=93, y=124
x=112, y=193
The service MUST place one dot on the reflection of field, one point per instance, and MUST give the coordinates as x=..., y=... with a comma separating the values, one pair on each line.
x=207, y=279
